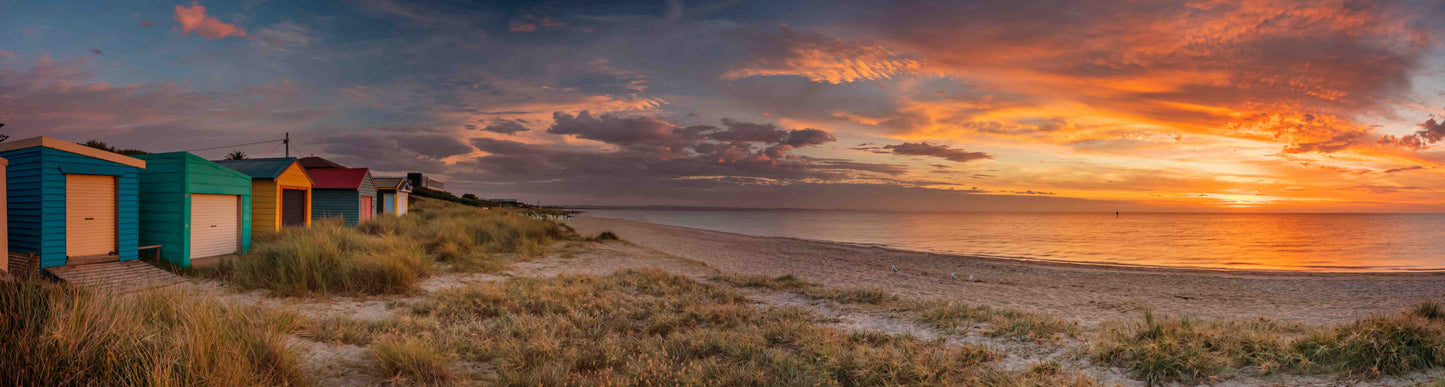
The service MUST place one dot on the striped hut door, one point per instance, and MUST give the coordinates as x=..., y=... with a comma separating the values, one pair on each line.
x=366, y=208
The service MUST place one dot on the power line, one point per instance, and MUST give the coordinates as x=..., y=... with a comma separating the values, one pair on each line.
x=231, y=146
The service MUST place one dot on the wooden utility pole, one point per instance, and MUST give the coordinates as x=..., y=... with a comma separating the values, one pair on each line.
x=287, y=141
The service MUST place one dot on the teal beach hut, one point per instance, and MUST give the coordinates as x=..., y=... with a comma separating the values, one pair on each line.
x=70, y=204
x=193, y=208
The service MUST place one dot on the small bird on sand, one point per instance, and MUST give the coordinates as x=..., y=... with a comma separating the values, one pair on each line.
x=952, y=276
x=972, y=278
x=895, y=268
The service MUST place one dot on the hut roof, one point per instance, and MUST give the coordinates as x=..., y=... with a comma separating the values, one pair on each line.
x=388, y=182
x=71, y=147
x=349, y=178
x=267, y=168
x=314, y=162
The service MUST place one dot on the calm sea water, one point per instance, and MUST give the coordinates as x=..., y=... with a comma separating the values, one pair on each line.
x=1297, y=242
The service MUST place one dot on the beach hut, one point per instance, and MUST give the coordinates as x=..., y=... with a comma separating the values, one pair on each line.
x=70, y=204
x=347, y=193
x=393, y=192
x=4, y=240
x=193, y=208
x=280, y=192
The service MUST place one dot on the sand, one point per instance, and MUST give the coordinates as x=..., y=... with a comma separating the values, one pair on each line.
x=1090, y=294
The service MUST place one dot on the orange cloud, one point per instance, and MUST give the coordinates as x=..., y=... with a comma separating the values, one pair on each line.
x=195, y=19
x=819, y=58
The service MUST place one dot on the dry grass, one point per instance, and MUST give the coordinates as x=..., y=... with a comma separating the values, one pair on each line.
x=468, y=238
x=652, y=328
x=389, y=254
x=54, y=335
x=327, y=258
x=409, y=360
x=1170, y=349
x=949, y=317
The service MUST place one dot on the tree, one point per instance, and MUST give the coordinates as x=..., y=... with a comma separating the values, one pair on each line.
x=3, y=137
x=106, y=147
x=236, y=155
x=470, y=196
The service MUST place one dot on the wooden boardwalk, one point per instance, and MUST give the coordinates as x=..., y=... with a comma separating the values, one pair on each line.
x=118, y=276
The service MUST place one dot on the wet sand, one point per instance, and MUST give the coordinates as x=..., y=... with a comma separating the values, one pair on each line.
x=1089, y=294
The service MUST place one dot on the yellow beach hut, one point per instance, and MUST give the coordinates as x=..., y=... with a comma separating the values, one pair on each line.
x=280, y=192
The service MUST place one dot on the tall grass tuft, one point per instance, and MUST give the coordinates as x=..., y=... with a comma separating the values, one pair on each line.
x=1172, y=349
x=469, y=238
x=328, y=258
x=55, y=335
x=412, y=360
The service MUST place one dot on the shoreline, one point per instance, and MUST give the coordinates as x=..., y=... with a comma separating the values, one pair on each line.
x=1089, y=293
x=1061, y=262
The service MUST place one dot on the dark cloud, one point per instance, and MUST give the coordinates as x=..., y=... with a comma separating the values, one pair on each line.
x=636, y=133
x=95, y=51
x=734, y=141
x=432, y=145
x=1431, y=131
x=1409, y=168
x=931, y=150
x=380, y=153
x=503, y=126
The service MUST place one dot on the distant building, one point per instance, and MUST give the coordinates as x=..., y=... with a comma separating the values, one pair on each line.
x=417, y=179
x=314, y=162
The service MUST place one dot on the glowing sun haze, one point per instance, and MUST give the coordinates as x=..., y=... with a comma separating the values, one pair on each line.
x=1016, y=105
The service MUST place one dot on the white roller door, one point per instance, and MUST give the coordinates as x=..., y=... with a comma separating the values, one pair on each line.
x=215, y=225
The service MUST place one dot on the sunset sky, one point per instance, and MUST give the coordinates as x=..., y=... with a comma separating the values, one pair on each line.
x=1009, y=105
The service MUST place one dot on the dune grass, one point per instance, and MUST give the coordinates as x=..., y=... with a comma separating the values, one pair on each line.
x=1173, y=349
x=652, y=328
x=949, y=317
x=60, y=336
x=411, y=361
x=388, y=254
x=327, y=258
x=470, y=239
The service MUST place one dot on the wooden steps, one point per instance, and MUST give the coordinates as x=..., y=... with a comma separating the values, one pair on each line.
x=118, y=276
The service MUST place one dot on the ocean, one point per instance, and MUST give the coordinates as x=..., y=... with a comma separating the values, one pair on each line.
x=1289, y=242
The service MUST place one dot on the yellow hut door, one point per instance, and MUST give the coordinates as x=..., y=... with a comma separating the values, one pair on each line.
x=90, y=213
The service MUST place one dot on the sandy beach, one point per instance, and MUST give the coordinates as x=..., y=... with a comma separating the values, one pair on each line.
x=1090, y=294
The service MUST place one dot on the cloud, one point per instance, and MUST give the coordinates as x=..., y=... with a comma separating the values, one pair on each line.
x=1403, y=169
x=95, y=51
x=930, y=150
x=432, y=145
x=1190, y=67
x=63, y=99
x=195, y=19
x=817, y=57
x=147, y=24
x=1431, y=131
x=285, y=36
x=505, y=126
x=521, y=26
